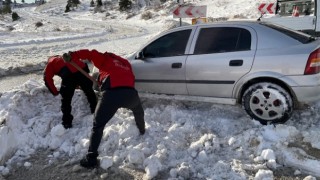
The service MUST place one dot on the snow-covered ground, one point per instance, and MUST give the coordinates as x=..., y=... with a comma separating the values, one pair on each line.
x=186, y=140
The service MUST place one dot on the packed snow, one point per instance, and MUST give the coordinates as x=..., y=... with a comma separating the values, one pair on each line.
x=184, y=139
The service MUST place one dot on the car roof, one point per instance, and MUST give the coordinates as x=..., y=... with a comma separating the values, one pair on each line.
x=229, y=22
x=270, y=37
x=234, y=21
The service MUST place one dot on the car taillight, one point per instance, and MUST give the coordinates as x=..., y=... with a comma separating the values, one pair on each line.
x=313, y=64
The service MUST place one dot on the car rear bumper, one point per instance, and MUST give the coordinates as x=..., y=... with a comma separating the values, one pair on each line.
x=305, y=87
x=308, y=94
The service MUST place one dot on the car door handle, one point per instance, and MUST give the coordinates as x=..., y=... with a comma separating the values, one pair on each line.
x=237, y=62
x=176, y=65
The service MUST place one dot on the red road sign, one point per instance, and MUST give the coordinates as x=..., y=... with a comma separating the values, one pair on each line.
x=266, y=8
x=190, y=12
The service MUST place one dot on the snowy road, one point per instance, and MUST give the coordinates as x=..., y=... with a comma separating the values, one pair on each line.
x=24, y=54
x=28, y=51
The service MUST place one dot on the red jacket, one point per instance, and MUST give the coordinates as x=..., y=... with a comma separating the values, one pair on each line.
x=56, y=66
x=111, y=66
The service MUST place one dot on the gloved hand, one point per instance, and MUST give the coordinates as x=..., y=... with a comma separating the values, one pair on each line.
x=67, y=57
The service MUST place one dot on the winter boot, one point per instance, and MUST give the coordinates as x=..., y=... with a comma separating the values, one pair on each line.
x=67, y=121
x=142, y=131
x=67, y=125
x=90, y=160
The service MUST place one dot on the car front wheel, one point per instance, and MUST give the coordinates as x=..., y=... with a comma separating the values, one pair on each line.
x=268, y=103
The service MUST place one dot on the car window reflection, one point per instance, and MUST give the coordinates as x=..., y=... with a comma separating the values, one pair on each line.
x=173, y=44
x=222, y=39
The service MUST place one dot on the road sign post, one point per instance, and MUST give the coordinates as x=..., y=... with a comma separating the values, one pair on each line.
x=190, y=12
x=180, y=2
x=267, y=8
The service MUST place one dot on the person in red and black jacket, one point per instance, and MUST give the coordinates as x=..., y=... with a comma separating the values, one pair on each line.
x=71, y=79
x=117, y=90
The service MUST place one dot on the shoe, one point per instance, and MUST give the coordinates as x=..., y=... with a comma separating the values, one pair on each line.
x=142, y=131
x=89, y=162
x=67, y=126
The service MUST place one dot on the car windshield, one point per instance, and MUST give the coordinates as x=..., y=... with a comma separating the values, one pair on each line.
x=297, y=35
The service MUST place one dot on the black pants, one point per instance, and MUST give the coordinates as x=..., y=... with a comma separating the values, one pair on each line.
x=108, y=104
x=68, y=86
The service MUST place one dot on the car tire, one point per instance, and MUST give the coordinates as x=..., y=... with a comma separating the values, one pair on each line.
x=267, y=103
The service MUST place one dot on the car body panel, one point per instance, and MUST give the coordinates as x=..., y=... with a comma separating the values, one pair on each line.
x=229, y=101
x=282, y=60
x=162, y=74
x=307, y=94
x=213, y=74
x=153, y=74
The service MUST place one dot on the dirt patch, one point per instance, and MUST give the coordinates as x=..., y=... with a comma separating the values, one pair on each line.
x=63, y=169
x=307, y=147
x=287, y=173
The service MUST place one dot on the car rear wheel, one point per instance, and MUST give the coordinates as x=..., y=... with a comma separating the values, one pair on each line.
x=267, y=103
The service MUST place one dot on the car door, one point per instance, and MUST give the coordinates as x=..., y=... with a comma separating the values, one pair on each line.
x=161, y=66
x=218, y=58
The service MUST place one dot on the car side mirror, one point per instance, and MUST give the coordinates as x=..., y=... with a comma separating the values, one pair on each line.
x=139, y=55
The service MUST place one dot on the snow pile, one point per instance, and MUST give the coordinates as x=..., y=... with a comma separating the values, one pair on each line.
x=186, y=139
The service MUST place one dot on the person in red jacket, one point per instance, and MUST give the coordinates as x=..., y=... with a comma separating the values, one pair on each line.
x=71, y=79
x=117, y=90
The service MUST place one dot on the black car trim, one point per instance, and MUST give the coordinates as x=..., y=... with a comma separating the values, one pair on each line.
x=184, y=81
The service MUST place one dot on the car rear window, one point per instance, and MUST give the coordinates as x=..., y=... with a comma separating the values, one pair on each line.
x=297, y=35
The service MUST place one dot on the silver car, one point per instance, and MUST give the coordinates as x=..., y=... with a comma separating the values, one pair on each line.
x=269, y=69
